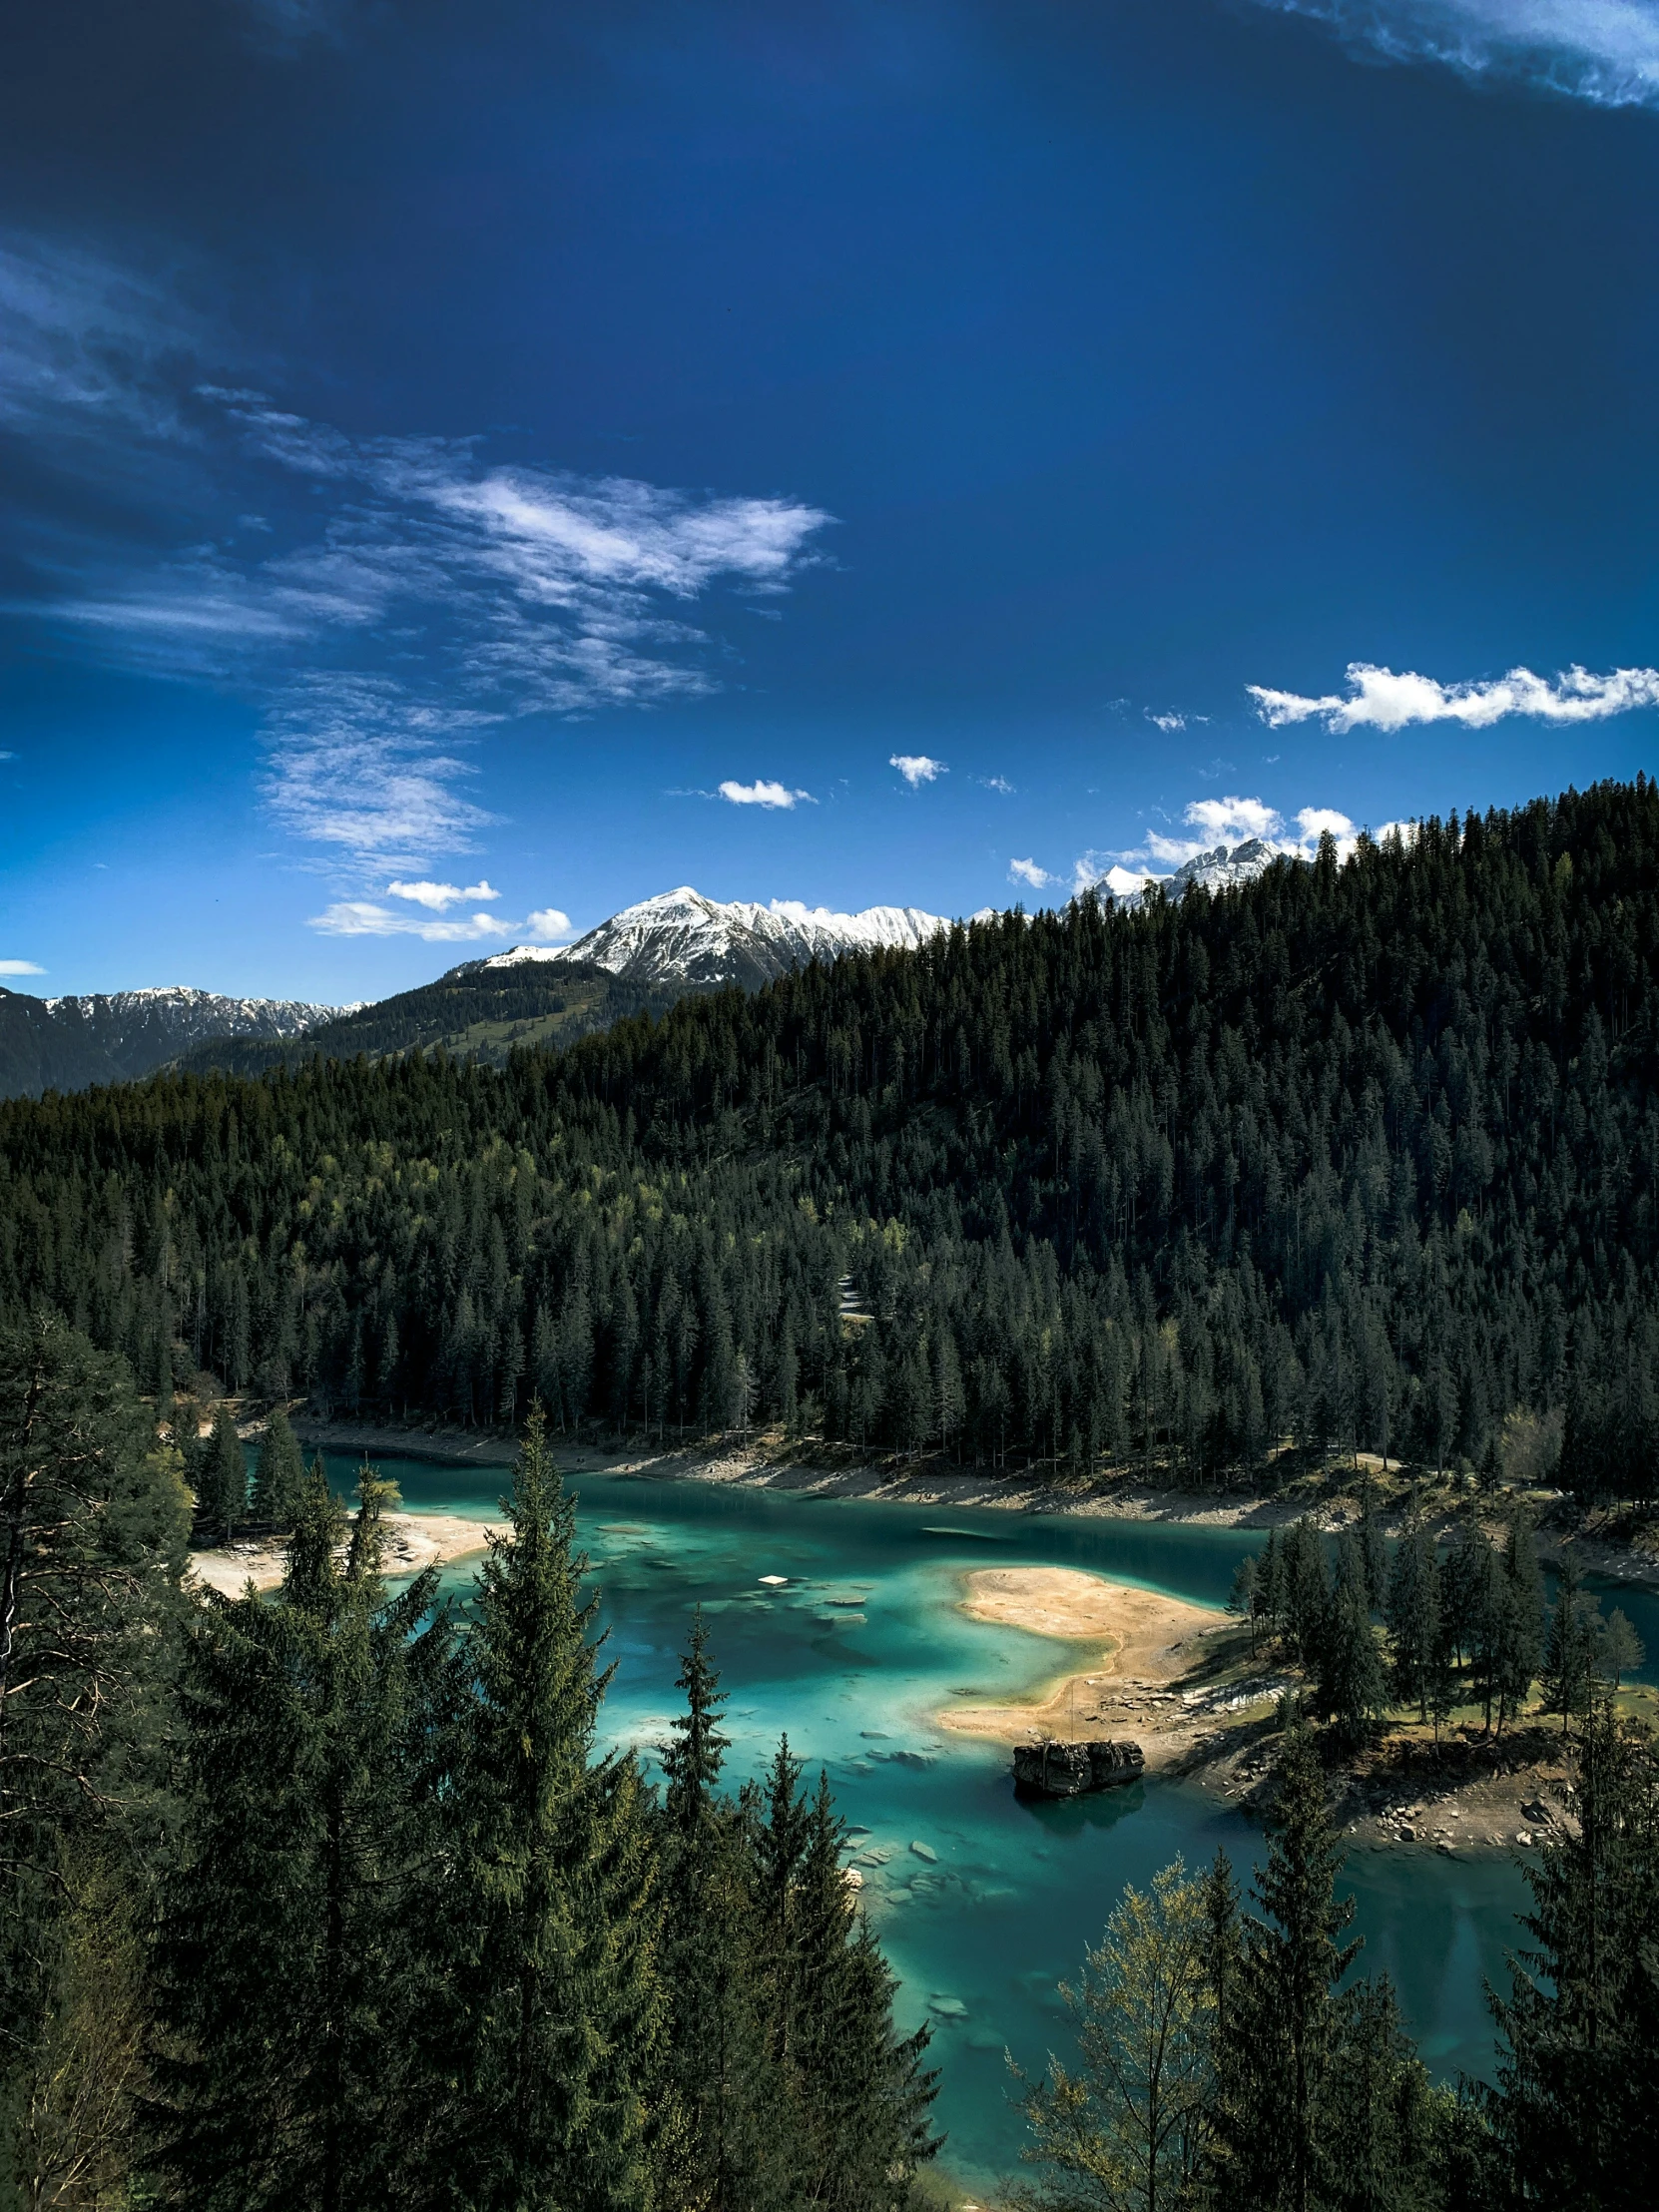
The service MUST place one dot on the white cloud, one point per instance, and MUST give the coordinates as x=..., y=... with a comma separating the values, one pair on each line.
x=1027, y=871
x=995, y=783
x=20, y=967
x=1379, y=699
x=366, y=917
x=916, y=769
x=762, y=793
x=1216, y=822
x=440, y=896
x=1602, y=50
x=1166, y=721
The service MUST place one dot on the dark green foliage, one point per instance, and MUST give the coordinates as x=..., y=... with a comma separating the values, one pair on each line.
x=291, y=1962
x=1414, y=1625
x=1570, y=1666
x=1318, y=2101
x=1353, y=1685
x=557, y=2027
x=1573, y=2114
x=1365, y=1155
x=279, y=1475
x=220, y=1469
x=1242, y=1597
x=93, y=1518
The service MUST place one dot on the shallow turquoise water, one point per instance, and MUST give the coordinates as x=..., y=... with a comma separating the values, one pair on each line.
x=856, y=1650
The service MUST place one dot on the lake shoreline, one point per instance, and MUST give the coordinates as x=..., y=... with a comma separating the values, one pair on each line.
x=750, y=1466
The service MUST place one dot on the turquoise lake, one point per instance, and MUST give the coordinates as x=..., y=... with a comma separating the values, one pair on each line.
x=856, y=1651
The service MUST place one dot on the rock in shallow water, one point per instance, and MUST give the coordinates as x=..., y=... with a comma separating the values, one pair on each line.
x=1055, y=1770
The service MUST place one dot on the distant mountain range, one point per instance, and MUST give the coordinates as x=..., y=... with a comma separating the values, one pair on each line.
x=640, y=960
x=64, y=1044
x=682, y=940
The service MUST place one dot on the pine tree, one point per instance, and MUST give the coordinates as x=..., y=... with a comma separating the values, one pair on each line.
x=726, y=2145
x=1574, y=2109
x=93, y=1518
x=1570, y=1648
x=279, y=1474
x=557, y=2038
x=1240, y=1598
x=1283, y=2036
x=1618, y=1649
x=292, y=1961
x=1413, y=1618
x=1352, y=1686
x=221, y=1480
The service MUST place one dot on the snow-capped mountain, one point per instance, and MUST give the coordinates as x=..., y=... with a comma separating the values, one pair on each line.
x=114, y=1036
x=681, y=938
x=1215, y=870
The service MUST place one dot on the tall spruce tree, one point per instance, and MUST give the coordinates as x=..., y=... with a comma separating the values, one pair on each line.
x=1569, y=1664
x=279, y=1475
x=728, y=2147
x=93, y=1519
x=292, y=1964
x=558, y=2022
x=1414, y=1631
x=221, y=1480
x=1274, y=2151
x=1573, y=2108
x=1352, y=1682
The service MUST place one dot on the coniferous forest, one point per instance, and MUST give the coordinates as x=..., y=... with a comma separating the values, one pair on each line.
x=334, y=1899
x=1364, y=1156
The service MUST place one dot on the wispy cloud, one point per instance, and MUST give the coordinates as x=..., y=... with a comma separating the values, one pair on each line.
x=762, y=793
x=20, y=967
x=1602, y=50
x=995, y=783
x=367, y=918
x=387, y=600
x=1027, y=871
x=916, y=769
x=1379, y=699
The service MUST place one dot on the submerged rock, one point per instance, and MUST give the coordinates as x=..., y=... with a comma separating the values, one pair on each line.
x=1056, y=1770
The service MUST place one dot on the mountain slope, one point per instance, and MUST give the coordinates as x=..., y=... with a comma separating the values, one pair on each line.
x=114, y=1036
x=681, y=938
x=473, y=1012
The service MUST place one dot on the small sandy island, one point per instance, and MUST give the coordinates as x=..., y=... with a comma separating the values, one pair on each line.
x=1146, y=1646
x=413, y=1542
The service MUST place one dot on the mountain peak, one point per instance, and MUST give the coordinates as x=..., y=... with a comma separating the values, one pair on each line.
x=683, y=937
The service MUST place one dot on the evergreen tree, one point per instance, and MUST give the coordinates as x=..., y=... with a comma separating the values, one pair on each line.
x=558, y=2030
x=1283, y=2043
x=1618, y=1649
x=1240, y=1598
x=221, y=1480
x=1414, y=1629
x=291, y=1962
x=279, y=1475
x=1574, y=2109
x=1352, y=1683
x=93, y=1517
x=1570, y=1649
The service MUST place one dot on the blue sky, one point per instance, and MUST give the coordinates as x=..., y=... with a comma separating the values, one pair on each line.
x=468, y=467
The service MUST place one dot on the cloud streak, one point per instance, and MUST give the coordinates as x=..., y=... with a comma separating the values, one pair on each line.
x=1377, y=698
x=386, y=600
x=1605, y=52
x=367, y=918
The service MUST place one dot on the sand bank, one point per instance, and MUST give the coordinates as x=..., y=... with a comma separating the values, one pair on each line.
x=413, y=1542
x=1146, y=1646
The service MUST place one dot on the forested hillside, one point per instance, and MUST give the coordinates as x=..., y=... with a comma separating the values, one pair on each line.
x=1364, y=1155
x=473, y=1012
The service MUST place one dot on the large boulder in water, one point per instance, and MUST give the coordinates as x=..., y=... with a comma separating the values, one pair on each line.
x=1055, y=1770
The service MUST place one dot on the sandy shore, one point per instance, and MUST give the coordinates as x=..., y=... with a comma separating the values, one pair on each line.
x=1146, y=1649
x=413, y=1542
